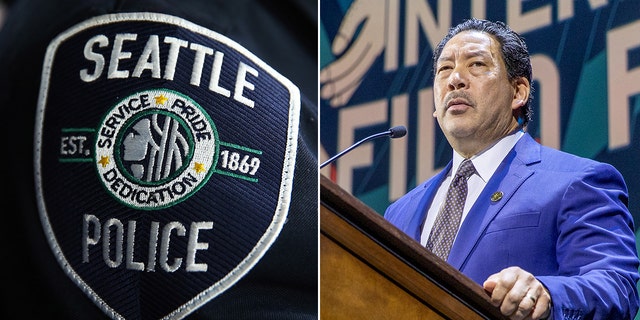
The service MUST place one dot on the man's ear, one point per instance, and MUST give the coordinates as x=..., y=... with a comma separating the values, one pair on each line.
x=522, y=89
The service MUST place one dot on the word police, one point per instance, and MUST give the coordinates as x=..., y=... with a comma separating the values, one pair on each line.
x=149, y=61
x=121, y=251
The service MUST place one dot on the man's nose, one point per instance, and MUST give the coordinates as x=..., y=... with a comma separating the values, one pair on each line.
x=457, y=81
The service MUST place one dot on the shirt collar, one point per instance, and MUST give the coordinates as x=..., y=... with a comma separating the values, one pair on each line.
x=487, y=161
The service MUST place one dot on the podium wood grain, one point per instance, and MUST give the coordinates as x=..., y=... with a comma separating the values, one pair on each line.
x=371, y=270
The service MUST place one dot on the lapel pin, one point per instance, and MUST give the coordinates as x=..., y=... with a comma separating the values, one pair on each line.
x=496, y=196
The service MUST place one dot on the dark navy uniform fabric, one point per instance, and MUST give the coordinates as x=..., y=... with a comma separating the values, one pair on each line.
x=283, y=34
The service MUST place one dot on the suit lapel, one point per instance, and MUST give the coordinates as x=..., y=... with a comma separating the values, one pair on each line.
x=509, y=176
x=423, y=200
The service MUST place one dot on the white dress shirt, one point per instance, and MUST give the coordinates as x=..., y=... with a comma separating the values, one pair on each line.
x=486, y=163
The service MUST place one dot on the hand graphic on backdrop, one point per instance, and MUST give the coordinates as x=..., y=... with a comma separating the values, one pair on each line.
x=341, y=78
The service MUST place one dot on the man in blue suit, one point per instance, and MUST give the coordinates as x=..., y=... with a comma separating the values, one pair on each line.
x=548, y=234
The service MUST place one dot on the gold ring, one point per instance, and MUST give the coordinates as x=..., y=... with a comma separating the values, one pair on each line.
x=532, y=298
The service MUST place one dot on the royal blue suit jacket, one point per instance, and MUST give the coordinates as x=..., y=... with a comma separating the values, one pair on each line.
x=561, y=217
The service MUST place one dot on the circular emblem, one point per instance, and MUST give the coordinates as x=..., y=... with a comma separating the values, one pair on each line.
x=155, y=148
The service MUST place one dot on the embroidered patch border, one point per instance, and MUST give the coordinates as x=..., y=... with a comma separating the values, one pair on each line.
x=217, y=162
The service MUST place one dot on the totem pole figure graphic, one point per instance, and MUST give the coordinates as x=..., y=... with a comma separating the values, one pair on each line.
x=154, y=150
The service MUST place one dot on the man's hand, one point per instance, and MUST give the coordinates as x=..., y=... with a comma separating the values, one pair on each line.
x=518, y=294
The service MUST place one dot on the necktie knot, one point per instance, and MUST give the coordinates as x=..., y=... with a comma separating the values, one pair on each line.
x=466, y=169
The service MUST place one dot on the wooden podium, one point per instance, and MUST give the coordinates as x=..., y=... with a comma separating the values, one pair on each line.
x=371, y=270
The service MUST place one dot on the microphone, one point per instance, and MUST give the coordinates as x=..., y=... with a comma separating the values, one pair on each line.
x=395, y=132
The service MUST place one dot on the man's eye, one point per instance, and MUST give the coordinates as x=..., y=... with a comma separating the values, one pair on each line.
x=443, y=68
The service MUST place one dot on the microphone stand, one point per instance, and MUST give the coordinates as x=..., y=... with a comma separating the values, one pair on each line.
x=395, y=132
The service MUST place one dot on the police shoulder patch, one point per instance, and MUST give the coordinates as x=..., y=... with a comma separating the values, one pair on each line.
x=164, y=159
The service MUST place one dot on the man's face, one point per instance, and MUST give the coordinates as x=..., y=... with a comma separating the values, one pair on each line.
x=474, y=99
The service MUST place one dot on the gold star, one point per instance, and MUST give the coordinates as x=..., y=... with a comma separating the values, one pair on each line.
x=161, y=99
x=198, y=167
x=104, y=161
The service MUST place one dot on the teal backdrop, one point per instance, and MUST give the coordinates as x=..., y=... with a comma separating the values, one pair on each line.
x=376, y=73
